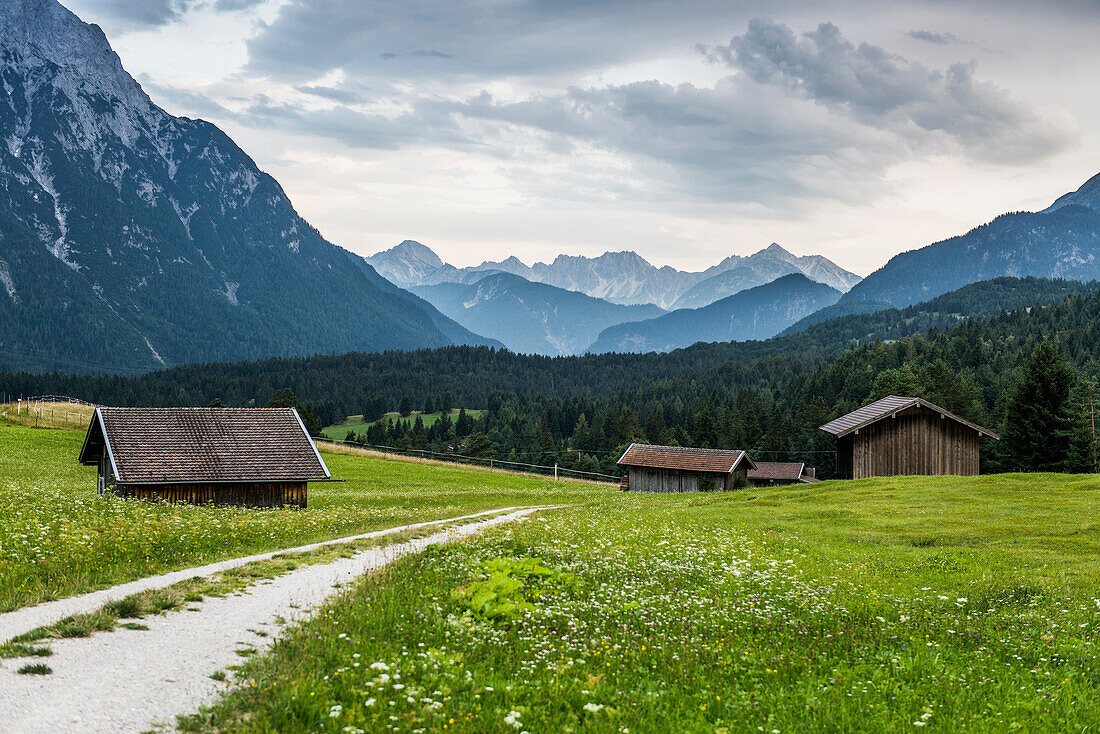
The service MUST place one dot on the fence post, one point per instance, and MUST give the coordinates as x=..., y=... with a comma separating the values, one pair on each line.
x=555, y=471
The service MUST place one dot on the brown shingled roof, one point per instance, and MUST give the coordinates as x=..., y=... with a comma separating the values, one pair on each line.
x=188, y=445
x=889, y=405
x=777, y=470
x=715, y=461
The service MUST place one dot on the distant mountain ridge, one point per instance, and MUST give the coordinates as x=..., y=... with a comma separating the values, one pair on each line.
x=754, y=314
x=1061, y=241
x=619, y=277
x=131, y=239
x=530, y=318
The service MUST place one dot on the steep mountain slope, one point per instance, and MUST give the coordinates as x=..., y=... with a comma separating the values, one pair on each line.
x=757, y=313
x=620, y=277
x=530, y=318
x=455, y=332
x=1063, y=241
x=1088, y=195
x=985, y=298
x=131, y=239
x=836, y=311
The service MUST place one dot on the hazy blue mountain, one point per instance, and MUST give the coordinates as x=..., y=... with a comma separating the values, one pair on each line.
x=530, y=318
x=131, y=239
x=757, y=313
x=836, y=311
x=1062, y=241
x=1088, y=195
x=620, y=277
x=451, y=329
x=757, y=269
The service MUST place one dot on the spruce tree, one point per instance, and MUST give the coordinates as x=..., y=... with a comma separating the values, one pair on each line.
x=1038, y=422
x=1084, y=450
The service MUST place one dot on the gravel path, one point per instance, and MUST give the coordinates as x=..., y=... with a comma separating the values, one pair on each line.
x=130, y=680
x=29, y=618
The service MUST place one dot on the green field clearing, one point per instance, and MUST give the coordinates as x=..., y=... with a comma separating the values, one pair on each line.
x=59, y=538
x=946, y=604
x=357, y=424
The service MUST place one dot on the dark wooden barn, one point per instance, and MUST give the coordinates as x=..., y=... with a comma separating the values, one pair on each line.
x=677, y=469
x=899, y=436
x=255, y=457
x=778, y=473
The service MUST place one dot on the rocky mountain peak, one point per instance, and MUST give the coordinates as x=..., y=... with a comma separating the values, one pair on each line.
x=43, y=32
x=1088, y=195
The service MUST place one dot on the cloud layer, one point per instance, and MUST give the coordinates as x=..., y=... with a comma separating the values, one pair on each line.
x=797, y=117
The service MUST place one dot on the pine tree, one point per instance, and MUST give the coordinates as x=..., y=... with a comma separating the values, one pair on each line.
x=406, y=407
x=283, y=399
x=1038, y=423
x=1084, y=450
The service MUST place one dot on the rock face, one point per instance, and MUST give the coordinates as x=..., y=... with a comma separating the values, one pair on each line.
x=131, y=239
x=1062, y=241
x=757, y=313
x=530, y=318
x=620, y=277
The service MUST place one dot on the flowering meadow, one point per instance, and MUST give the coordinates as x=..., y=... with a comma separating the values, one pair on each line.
x=58, y=537
x=947, y=604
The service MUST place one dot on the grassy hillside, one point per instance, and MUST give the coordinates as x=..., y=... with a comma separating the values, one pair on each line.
x=878, y=605
x=58, y=537
x=358, y=424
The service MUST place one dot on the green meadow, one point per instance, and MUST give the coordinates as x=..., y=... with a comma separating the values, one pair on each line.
x=59, y=538
x=942, y=604
x=358, y=424
x=938, y=604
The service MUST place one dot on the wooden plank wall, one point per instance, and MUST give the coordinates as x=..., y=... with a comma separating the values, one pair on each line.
x=671, y=480
x=245, y=494
x=918, y=441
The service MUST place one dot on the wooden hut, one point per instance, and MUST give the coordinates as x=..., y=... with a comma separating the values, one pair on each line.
x=256, y=457
x=677, y=469
x=899, y=436
x=778, y=473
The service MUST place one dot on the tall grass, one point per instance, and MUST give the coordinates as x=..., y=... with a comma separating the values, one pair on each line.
x=58, y=537
x=944, y=604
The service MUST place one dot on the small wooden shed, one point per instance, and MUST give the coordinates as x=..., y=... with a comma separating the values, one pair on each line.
x=255, y=457
x=904, y=435
x=678, y=469
x=778, y=473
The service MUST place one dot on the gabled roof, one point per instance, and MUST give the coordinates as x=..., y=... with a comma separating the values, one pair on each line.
x=203, y=445
x=784, y=470
x=891, y=405
x=715, y=461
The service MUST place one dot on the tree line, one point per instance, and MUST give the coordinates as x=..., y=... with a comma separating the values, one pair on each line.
x=1029, y=373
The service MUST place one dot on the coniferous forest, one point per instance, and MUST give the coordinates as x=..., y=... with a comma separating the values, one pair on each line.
x=1027, y=370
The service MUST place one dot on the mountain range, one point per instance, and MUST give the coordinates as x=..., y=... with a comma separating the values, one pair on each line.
x=619, y=277
x=530, y=318
x=753, y=314
x=131, y=239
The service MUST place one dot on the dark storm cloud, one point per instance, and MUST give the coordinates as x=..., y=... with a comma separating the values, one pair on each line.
x=884, y=90
x=143, y=12
x=152, y=13
x=942, y=39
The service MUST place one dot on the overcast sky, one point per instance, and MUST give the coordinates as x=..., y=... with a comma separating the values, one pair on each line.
x=686, y=131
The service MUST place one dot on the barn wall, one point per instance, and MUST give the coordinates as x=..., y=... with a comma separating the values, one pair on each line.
x=917, y=441
x=245, y=494
x=672, y=480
